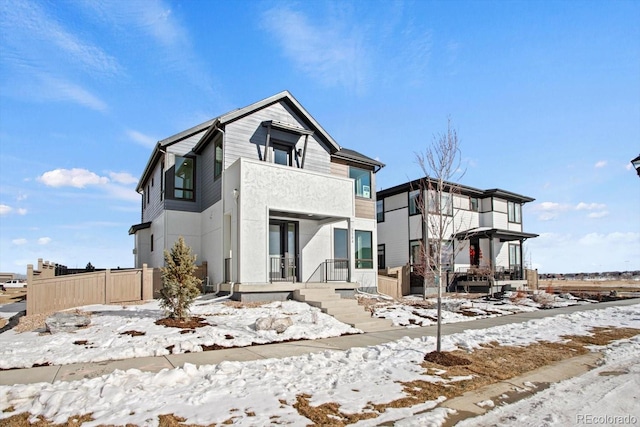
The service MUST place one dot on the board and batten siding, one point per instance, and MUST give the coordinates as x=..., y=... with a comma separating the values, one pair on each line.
x=246, y=137
x=153, y=207
x=210, y=188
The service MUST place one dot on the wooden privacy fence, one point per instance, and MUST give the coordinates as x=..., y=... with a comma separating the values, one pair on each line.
x=46, y=293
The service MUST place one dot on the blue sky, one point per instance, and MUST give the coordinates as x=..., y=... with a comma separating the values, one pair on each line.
x=545, y=96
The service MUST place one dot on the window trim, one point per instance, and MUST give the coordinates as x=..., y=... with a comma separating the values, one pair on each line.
x=193, y=179
x=381, y=250
x=355, y=183
x=218, y=161
x=413, y=200
x=381, y=214
x=514, y=215
x=363, y=263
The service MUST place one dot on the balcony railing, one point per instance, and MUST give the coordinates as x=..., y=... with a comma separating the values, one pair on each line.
x=282, y=269
x=331, y=270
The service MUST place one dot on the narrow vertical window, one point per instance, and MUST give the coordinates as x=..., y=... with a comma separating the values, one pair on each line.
x=161, y=181
x=381, y=257
x=514, y=212
x=151, y=243
x=380, y=210
x=364, y=249
x=217, y=159
x=414, y=200
x=184, y=178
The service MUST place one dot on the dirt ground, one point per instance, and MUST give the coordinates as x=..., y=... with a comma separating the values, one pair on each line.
x=591, y=285
x=487, y=365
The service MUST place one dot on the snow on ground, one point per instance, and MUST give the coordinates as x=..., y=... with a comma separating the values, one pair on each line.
x=413, y=311
x=106, y=338
x=262, y=392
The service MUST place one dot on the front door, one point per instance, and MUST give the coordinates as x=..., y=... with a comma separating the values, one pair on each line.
x=283, y=251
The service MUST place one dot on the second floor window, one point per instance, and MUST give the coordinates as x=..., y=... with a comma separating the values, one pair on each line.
x=514, y=212
x=217, y=159
x=380, y=210
x=474, y=204
x=440, y=202
x=414, y=207
x=184, y=184
x=362, y=181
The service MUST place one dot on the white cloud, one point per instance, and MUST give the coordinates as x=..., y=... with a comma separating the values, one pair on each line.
x=22, y=211
x=600, y=164
x=600, y=214
x=599, y=239
x=24, y=20
x=20, y=241
x=330, y=51
x=123, y=193
x=123, y=177
x=44, y=240
x=548, y=211
x=78, y=178
x=590, y=206
x=5, y=209
x=61, y=90
x=142, y=139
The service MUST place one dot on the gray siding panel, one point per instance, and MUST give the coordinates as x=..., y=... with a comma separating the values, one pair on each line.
x=246, y=137
x=185, y=146
x=154, y=206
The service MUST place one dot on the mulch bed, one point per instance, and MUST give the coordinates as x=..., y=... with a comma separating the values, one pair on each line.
x=190, y=323
x=446, y=359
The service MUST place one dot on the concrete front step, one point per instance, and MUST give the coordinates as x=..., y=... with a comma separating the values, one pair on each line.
x=345, y=310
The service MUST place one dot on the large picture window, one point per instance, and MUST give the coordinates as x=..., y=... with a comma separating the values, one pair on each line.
x=184, y=184
x=362, y=181
x=364, y=249
x=514, y=211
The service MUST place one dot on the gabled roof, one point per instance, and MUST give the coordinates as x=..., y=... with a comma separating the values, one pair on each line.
x=354, y=156
x=211, y=126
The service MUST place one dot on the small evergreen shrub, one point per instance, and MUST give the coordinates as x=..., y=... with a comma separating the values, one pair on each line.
x=179, y=285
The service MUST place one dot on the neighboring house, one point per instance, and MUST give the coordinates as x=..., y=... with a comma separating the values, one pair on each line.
x=266, y=197
x=485, y=229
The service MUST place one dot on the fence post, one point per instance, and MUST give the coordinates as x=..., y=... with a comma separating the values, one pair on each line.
x=107, y=286
x=147, y=283
x=31, y=298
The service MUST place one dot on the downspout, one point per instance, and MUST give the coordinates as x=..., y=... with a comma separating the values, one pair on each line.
x=222, y=179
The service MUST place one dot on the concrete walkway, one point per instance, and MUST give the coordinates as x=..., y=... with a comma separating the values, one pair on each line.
x=277, y=350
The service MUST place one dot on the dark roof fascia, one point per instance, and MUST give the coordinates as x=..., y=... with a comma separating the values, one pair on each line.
x=464, y=190
x=415, y=184
x=207, y=137
x=354, y=156
x=135, y=228
x=504, y=235
x=158, y=150
x=293, y=103
x=508, y=195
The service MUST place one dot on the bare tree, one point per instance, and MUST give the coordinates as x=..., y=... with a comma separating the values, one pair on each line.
x=435, y=201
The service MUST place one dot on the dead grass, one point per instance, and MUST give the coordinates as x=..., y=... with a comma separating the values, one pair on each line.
x=490, y=364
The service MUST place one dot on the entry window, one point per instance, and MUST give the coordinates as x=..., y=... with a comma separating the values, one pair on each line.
x=282, y=154
x=514, y=211
x=415, y=255
x=364, y=249
x=381, y=258
x=184, y=184
x=340, y=243
x=362, y=181
x=514, y=256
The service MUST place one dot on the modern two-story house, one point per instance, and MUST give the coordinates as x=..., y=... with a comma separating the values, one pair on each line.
x=484, y=233
x=266, y=197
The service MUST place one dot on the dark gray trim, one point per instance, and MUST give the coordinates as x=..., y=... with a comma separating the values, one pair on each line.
x=503, y=235
x=135, y=228
x=354, y=156
x=464, y=190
